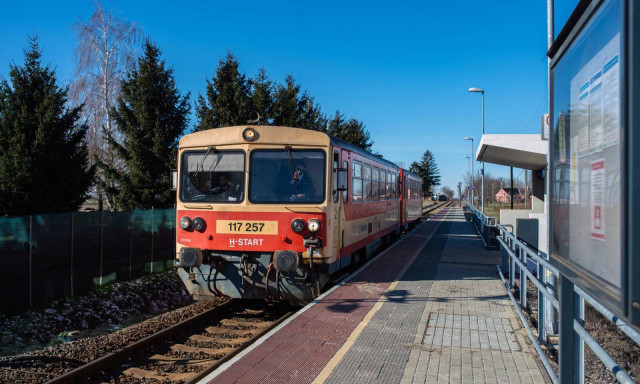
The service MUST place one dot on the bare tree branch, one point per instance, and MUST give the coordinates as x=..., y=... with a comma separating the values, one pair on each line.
x=106, y=52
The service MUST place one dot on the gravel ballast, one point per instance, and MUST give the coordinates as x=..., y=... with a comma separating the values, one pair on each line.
x=97, y=323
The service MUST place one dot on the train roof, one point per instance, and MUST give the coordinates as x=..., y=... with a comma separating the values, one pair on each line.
x=267, y=134
x=354, y=148
x=274, y=135
x=409, y=173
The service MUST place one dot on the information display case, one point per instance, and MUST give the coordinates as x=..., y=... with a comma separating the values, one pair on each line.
x=591, y=153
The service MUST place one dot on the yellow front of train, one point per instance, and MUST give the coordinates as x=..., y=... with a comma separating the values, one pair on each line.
x=252, y=213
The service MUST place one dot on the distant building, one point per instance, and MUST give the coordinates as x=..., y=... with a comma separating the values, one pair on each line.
x=504, y=195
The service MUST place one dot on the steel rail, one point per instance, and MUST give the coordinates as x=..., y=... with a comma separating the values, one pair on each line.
x=202, y=374
x=107, y=361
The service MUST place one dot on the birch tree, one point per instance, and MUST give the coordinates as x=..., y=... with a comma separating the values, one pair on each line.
x=107, y=48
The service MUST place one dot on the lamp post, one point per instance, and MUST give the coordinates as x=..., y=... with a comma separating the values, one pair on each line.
x=470, y=189
x=471, y=161
x=481, y=91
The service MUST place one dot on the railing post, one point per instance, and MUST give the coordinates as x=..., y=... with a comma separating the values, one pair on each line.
x=30, y=261
x=542, y=321
x=71, y=274
x=523, y=278
x=152, y=230
x=567, y=357
x=505, y=254
x=512, y=265
x=578, y=342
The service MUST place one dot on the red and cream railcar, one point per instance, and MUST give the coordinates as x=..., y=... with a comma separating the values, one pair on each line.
x=269, y=211
x=410, y=199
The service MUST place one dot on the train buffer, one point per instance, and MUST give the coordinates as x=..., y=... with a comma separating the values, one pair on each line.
x=429, y=309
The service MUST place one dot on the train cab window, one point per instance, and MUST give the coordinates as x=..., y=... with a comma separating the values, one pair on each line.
x=294, y=176
x=212, y=176
x=357, y=182
x=366, y=187
x=375, y=184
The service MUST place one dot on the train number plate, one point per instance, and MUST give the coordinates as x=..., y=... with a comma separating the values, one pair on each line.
x=247, y=227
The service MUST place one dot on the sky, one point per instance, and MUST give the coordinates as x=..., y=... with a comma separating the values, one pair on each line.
x=402, y=68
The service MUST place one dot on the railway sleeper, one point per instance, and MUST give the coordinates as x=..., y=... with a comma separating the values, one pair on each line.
x=230, y=332
x=208, y=351
x=237, y=341
x=164, y=359
x=160, y=376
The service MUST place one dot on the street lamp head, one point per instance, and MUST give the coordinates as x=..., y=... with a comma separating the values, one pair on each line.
x=468, y=138
x=466, y=157
x=474, y=89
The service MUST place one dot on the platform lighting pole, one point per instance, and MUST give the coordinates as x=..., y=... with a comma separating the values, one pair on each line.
x=470, y=195
x=481, y=91
x=472, y=161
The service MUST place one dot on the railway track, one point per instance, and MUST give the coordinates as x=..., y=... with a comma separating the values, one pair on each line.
x=187, y=351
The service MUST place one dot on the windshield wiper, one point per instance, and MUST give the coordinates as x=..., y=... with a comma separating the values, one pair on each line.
x=201, y=163
x=292, y=167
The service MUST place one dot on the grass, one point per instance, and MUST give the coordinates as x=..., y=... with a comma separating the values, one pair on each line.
x=493, y=209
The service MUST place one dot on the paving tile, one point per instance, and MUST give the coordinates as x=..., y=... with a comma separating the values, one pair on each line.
x=448, y=319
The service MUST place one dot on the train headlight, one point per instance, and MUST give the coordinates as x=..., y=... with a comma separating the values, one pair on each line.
x=285, y=261
x=297, y=225
x=199, y=224
x=185, y=222
x=313, y=225
x=249, y=134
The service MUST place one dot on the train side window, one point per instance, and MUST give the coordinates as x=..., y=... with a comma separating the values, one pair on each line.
x=384, y=193
x=357, y=182
x=393, y=186
x=375, y=184
x=366, y=185
x=406, y=188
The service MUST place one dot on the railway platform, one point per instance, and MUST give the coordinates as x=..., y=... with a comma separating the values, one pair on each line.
x=430, y=309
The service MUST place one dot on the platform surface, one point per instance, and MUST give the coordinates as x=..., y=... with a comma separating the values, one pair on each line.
x=430, y=309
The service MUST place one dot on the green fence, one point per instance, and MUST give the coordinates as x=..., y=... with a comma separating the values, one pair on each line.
x=44, y=257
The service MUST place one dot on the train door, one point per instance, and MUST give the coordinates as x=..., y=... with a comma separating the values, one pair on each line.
x=344, y=204
x=335, y=203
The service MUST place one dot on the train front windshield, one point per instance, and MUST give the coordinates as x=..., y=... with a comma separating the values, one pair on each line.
x=212, y=176
x=287, y=176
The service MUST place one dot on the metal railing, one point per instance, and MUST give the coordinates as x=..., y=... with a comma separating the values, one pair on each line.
x=485, y=225
x=523, y=263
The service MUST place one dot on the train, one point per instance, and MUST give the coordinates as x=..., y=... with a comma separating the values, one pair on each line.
x=268, y=212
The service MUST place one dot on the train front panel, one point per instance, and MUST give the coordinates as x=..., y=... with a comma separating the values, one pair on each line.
x=252, y=213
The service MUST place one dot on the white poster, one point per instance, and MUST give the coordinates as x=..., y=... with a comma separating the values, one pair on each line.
x=597, y=200
x=596, y=128
x=611, y=101
x=574, y=187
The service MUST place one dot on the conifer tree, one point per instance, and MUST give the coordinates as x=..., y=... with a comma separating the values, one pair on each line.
x=428, y=170
x=261, y=97
x=43, y=160
x=293, y=108
x=350, y=130
x=227, y=102
x=287, y=103
x=151, y=115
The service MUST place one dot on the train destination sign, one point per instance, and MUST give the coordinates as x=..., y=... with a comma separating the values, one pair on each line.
x=588, y=153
